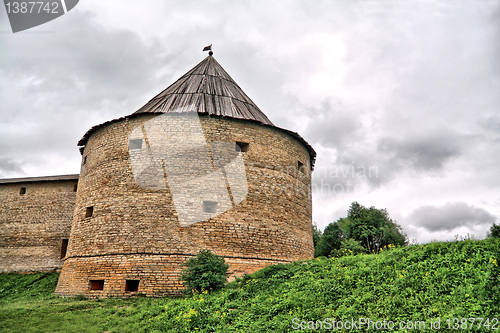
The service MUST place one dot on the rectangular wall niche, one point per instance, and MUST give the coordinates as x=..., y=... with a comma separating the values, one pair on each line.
x=135, y=144
x=89, y=211
x=300, y=166
x=22, y=191
x=96, y=284
x=64, y=247
x=210, y=206
x=131, y=285
x=242, y=146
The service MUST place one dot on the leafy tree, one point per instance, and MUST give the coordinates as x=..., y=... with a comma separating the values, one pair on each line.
x=370, y=228
x=373, y=228
x=205, y=272
x=316, y=234
x=494, y=231
x=330, y=241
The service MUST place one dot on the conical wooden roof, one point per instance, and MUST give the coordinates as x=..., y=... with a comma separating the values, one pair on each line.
x=209, y=89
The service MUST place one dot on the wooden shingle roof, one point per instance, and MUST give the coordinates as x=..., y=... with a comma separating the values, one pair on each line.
x=209, y=89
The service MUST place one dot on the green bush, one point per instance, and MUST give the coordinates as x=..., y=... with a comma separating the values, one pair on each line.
x=370, y=228
x=494, y=231
x=350, y=247
x=205, y=272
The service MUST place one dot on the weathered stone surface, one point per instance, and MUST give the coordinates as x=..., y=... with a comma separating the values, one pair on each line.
x=134, y=232
x=34, y=224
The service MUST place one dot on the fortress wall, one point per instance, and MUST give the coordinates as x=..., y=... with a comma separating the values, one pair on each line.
x=134, y=232
x=34, y=224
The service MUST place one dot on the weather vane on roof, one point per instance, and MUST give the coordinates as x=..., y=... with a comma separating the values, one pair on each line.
x=208, y=48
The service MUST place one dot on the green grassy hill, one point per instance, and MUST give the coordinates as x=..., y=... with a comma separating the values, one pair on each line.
x=445, y=282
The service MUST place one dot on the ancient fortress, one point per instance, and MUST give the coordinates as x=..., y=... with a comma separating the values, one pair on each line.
x=198, y=167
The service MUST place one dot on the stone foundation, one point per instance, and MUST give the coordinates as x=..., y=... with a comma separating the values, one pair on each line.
x=158, y=274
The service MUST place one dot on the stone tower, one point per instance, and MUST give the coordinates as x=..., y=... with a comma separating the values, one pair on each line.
x=199, y=167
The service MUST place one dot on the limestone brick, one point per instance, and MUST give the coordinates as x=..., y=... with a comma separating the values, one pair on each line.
x=34, y=224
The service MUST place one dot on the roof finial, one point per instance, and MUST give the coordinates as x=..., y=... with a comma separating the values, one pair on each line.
x=208, y=48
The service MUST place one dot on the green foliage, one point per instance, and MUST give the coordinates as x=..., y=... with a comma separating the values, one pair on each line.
x=316, y=234
x=371, y=228
x=351, y=247
x=27, y=286
x=415, y=283
x=28, y=304
x=205, y=272
x=330, y=241
x=438, y=280
x=494, y=231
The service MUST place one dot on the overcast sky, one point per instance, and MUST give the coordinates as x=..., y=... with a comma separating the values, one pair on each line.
x=400, y=99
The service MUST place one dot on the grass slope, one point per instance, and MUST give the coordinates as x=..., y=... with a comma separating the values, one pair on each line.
x=416, y=283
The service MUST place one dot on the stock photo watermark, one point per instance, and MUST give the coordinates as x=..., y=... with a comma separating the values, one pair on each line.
x=343, y=178
x=205, y=179
x=456, y=324
x=24, y=15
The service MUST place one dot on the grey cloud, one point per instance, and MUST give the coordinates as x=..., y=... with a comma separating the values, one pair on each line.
x=429, y=99
x=339, y=136
x=84, y=66
x=359, y=161
x=61, y=84
x=424, y=151
x=450, y=216
x=491, y=123
x=333, y=125
x=494, y=19
x=9, y=167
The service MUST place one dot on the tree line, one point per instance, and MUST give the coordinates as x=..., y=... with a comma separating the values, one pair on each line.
x=364, y=230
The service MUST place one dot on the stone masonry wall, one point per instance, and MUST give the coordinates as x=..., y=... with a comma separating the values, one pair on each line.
x=158, y=275
x=134, y=232
x=34, y=224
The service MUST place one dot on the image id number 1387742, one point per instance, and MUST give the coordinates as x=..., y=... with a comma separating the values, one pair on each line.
x=32, y=7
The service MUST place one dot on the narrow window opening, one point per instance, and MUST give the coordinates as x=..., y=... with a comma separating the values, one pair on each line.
x=96, y=284
x=64, y=247
x=300, y=166
x=210, y=206
x=89, y=211
x=135, y=144
x=75, y=187
x=22, y=191
x=242, y=146
x=131, y=285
